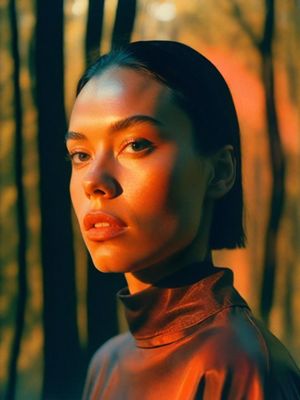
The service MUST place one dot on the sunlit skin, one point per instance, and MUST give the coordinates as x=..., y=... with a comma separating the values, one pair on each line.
x=133, y=156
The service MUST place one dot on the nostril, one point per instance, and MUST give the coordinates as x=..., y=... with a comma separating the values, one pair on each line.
x=99, y=191
x=106, y=187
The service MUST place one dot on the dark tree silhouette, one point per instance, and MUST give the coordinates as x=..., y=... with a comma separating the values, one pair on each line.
x=277, y=165
x=22, y=267
x=264, y=46
x=94, y=30
x=101, y=307
x=62, y=361
x=124, y=22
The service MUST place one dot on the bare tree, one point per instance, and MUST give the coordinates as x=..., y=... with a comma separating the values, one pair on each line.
x=124, y=22
x=264, y=46
x=22, y=229
x=62, y=353
x=94, y=30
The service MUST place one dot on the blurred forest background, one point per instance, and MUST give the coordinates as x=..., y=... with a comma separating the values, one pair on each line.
x=55, y=308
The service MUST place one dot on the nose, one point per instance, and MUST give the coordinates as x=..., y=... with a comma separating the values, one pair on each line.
x=100, y=183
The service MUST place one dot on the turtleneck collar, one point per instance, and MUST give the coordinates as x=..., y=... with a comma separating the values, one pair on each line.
x=174, y=306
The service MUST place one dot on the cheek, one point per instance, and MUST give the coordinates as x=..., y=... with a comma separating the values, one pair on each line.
x=165, y=194
x=148, y=189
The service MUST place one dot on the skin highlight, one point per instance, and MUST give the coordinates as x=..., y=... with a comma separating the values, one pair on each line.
x=133, y=156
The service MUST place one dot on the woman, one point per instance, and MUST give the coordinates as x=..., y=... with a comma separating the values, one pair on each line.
x=156, y=186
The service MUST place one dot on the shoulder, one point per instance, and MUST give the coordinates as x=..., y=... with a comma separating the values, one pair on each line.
x=105, y=360
x=110, y=351
x=232, y=338
x=243, y=355
x=236, y=332
x=283, y=372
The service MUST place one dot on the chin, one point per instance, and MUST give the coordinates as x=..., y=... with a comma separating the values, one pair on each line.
x=106, y=265
x=120, y=262
x=111, y=264
x=110, y=257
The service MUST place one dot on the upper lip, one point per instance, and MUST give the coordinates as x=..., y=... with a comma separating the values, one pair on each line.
x=95, y=217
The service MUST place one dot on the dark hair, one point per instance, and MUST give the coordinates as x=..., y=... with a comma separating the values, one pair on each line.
x=201, y=91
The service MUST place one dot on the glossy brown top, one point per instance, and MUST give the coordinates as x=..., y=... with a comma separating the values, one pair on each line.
x=192, y=337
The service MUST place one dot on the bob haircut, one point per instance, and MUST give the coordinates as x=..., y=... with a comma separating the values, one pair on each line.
x=201, y=91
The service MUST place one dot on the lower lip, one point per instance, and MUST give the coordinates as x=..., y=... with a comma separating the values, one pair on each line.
x=104, y=233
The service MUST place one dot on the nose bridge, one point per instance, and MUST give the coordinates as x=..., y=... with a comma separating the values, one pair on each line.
x=99, y=179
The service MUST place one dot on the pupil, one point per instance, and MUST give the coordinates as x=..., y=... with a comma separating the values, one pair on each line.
x=138, y=145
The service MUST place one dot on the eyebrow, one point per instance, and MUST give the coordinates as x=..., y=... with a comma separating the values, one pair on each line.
x=119, y=125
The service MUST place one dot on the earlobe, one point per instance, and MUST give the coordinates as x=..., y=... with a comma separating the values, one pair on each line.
x=223, y=173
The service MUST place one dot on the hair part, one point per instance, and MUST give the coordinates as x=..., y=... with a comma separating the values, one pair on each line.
x=201, y=91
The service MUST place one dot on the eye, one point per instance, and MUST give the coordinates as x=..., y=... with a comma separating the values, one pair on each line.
x=137, y=146
x=79, y=157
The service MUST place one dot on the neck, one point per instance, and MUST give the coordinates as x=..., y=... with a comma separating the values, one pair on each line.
x=147, y=277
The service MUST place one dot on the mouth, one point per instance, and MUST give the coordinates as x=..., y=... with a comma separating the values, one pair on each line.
x=100, y=226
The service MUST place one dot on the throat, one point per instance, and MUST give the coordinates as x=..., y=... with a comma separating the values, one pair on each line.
x=175, y=272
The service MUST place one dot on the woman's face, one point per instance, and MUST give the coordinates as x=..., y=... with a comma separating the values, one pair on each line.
x=138, y=184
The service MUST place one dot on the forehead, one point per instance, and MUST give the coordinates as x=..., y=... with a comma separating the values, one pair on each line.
x=117, y=82
x=122, y=92
x=120, y=76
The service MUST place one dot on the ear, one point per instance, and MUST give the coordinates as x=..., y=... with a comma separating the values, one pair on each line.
x=223, y=173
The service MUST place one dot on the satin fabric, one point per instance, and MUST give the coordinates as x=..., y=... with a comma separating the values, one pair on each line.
x=192, y=336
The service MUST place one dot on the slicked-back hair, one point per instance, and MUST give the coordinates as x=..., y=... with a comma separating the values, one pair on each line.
x=201, y=91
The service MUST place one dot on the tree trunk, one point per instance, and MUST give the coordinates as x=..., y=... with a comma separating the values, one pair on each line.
x=277, y=165
x=22, y=267
x=102, y=310
x=94, y=30
x=62, y=371
x=124, y=22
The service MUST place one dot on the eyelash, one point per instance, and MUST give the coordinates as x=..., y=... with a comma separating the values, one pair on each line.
x=71, y=156
x=130, y=142
x=148, y=147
